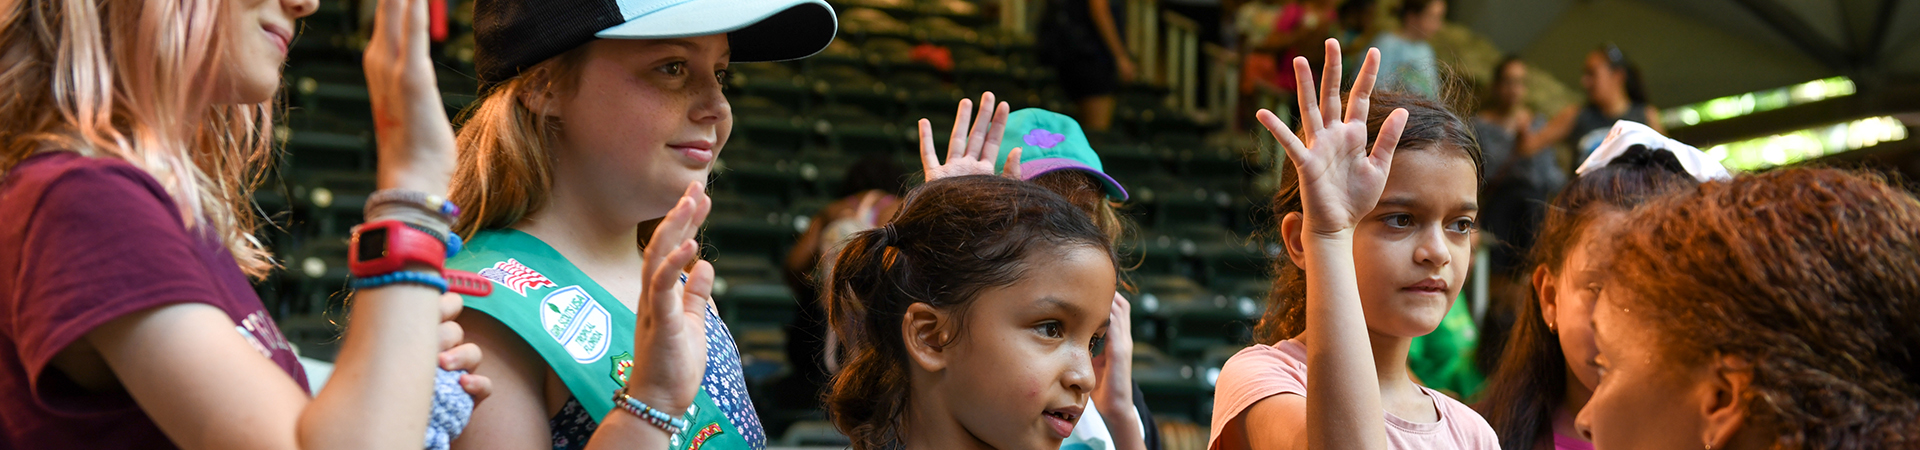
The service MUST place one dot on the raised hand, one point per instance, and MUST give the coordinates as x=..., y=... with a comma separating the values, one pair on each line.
x=1113, y=378
x=670, y=333
x=1340, y=180
x=415, y=140
x=1113, y=369
x=974, y=147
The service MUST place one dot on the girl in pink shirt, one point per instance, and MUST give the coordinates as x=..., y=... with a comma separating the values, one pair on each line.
x=1372, y=261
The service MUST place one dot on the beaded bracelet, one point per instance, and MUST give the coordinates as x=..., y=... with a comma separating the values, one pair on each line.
x=449, y=238
x=672, y=425
x=426, y=201
x=404, y=276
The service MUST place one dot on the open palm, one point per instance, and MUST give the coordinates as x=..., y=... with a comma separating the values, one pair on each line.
x=670, y=333
x=974, y=147
x=1340, y=181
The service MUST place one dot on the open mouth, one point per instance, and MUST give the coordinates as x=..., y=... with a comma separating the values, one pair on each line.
x=1061, y=420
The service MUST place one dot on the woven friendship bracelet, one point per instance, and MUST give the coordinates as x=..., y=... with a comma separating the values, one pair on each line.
x=410, y=277
x=672, y=425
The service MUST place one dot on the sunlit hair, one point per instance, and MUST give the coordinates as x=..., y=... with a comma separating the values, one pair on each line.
x=506, y=149
x=134, y=80
x=1808, y=274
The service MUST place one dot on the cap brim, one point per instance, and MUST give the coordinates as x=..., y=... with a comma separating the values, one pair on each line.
x=1031, y=169
x=758, y=30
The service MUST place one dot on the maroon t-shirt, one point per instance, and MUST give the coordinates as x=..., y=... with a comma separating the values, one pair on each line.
x=84, y=241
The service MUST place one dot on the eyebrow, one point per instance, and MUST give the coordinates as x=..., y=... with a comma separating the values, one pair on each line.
x=1052, y=303
x=1409, y=202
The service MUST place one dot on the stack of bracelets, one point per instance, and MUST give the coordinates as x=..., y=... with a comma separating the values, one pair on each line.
x=409, y=227
x=672, y=425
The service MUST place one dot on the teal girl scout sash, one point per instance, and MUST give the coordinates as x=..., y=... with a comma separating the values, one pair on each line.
x=586, y=336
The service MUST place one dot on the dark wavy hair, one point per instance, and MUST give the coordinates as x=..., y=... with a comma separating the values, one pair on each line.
x=1431, y=125
x=1812, y=275
x=952, y=239
x=1529, y=383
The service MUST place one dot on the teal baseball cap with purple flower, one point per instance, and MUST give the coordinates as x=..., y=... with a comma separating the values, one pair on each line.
x=1050, y=141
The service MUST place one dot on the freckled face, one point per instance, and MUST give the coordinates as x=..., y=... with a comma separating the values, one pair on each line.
x=646, y=118
x=1412, y=251
x=1023, y=370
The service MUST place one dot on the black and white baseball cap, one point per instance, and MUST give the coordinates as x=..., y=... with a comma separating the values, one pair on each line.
x=512, y=35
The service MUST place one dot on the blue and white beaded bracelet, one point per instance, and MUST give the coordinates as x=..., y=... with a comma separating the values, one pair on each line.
x=672, y=425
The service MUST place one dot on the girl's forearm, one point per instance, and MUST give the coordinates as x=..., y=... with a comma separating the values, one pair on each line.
x=1123, y=423
x=622, y=430
x=1343, y=392
x=381, y=392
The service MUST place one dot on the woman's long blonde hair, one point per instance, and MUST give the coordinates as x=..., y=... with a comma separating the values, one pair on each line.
x=505, y=168
x=134, y=80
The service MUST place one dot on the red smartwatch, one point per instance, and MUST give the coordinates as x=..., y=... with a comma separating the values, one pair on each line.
x=387, y=246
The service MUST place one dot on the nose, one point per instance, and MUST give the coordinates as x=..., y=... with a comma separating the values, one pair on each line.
x=710, y=104
x=1431, y=250
x=1583, y=423
x=1079, y=377
x=297, y=9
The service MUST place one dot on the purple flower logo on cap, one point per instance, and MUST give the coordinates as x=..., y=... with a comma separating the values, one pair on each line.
x=1044, y=139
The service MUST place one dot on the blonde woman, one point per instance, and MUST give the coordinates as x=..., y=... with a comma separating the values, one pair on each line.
x=131, y=134
x=596, y=116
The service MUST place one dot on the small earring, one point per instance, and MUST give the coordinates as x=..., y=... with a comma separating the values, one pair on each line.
x=1551, y=329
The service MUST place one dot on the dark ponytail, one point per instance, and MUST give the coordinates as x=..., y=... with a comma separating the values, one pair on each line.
x=952, y=239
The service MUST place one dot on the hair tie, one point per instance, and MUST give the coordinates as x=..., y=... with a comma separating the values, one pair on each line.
x=1628, y=135
x=889, y=236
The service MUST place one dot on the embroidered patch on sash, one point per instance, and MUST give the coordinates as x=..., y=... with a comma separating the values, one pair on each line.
x=577, y=322
x=516, y=276
x=622, y=366
x=705, y=433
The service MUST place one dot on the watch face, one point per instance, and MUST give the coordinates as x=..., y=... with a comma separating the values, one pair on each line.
x=373, y=244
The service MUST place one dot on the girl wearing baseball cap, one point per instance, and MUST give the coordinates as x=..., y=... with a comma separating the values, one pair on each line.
x=596, y=118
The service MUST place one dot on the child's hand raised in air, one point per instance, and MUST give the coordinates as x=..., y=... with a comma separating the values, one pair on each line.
x=415, y=140
x=1340, y=180
x=970, y=152
x=1113, y=375
x=670, y=334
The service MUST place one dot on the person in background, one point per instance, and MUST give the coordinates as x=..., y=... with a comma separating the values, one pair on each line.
x=1407, y=62
x=1520, y=179
x=1773, y=311
x=868, y=198
x=1275, y=33
x=1081, y=40
x=1615, y=92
